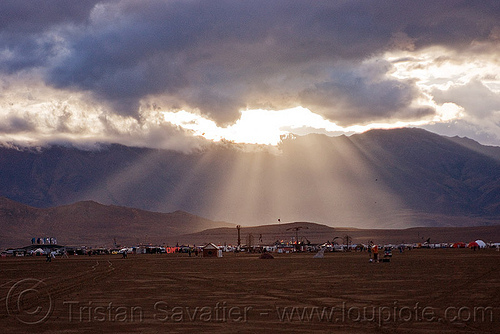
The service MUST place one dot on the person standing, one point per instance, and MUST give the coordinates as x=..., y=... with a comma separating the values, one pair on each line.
x=375, y=253
x=370, y=245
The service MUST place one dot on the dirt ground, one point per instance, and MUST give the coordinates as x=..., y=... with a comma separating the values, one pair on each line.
x=418, y=291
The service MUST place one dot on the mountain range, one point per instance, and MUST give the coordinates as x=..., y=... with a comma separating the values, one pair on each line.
x=92, y=224
x=395, y=178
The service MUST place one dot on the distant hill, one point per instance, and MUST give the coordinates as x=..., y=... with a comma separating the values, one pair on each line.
x=94, y=224
x=318, y=233
x=379, y=179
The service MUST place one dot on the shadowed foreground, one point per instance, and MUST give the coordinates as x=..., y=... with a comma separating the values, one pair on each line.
x=419, y=291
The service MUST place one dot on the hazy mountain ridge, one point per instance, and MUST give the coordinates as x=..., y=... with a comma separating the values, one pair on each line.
x=381, y=178
x=91, y=223
x=455, y=178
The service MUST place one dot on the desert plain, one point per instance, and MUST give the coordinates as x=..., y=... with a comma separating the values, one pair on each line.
x=418, y=291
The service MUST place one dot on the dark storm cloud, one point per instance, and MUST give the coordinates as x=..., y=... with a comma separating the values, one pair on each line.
x=33, y=16
x=220, y=56
x=24, y=26
x=363, y=94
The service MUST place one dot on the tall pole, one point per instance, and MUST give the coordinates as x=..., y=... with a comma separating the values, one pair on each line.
x=239, y=235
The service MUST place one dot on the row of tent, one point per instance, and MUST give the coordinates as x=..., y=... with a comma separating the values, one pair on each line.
x=472, y=244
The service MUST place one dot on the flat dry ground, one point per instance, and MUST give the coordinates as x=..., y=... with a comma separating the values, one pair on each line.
x=419, y=291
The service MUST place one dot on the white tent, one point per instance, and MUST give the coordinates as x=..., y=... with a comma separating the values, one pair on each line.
x=481, y=243
x=320, y=254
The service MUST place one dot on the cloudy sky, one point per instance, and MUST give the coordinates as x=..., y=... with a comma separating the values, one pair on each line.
x=172, y=74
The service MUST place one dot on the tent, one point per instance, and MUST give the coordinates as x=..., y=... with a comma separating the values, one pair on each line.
x=266, y=256
x=320, y=254
x=459, y=245
x=473, y=244
x=38, y=251
x=211, y=250
x=480, y=243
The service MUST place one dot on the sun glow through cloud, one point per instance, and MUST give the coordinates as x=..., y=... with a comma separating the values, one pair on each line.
x=266, y=127
x=255, y=126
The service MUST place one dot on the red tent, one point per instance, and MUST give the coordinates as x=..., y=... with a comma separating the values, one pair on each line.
x=473, y=244
x=459, y=245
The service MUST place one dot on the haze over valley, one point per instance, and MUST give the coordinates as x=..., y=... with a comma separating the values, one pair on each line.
x=380, y=179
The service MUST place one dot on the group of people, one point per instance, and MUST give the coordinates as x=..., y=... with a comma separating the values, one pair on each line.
x=190, y=251
x=52, y=255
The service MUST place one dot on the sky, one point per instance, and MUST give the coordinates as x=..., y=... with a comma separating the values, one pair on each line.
x=179, y=74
